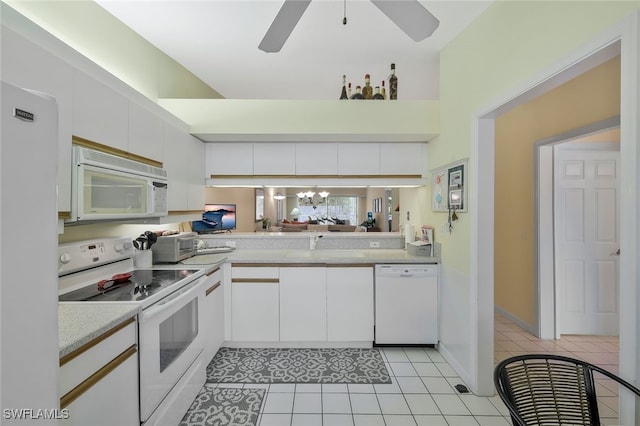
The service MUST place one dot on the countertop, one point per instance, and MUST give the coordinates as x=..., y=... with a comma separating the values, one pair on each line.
x=323, y=256
x=81, y=322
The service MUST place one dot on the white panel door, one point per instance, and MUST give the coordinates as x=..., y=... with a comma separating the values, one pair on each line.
x=587, y=239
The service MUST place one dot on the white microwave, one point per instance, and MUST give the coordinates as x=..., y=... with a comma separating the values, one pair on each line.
x=105, y=186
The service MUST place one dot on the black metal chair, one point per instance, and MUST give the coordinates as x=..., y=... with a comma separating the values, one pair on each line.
x=545, y=389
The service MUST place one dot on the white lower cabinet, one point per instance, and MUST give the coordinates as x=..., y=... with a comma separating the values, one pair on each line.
x=255, y=314
x=288, y=303
x=350, y=304
x=303, y=309
x=213, y=313
x=98, y=374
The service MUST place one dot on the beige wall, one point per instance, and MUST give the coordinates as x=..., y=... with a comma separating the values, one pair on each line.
x=245, y=201
x=589, y=98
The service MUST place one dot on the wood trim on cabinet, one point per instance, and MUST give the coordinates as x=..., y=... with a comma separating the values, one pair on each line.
x=64, y=215
x=336, y=176
x=350, y=265
x=212, y=288
x=65, y=359
x=213, y=272
x=77, y=140
x=255, y=280
x=183, y=212
x=83, y=387
x=255, y=265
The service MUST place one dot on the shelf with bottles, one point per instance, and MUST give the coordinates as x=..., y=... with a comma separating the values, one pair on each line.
x=366, y=91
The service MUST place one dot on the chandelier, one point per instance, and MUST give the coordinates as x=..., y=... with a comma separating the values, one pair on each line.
x=311, y=198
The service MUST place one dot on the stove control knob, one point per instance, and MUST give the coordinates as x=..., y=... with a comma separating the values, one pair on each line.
x=65, y=258
x=118, y=247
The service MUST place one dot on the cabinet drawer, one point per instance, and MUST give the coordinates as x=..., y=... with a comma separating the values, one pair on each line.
x=243, y=272
x=86, y=360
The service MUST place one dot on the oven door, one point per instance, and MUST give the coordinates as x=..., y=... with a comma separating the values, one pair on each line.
x=171, y=339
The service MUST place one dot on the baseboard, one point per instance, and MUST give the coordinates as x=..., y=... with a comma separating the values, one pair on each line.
x=517, y=321
x=315, y=345
x=462, y=373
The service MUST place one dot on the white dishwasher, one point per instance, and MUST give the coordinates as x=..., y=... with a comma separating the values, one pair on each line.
x=406, y=301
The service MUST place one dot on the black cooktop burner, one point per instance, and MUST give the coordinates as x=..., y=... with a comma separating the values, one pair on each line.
x=142, y=284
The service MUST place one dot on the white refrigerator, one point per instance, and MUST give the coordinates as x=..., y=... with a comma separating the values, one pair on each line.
x=29, y=359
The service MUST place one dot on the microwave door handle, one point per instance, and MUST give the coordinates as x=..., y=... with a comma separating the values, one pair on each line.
x=150, y=197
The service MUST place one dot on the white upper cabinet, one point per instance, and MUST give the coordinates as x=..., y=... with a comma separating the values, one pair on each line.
x=274, y=159
x=145, y=133
x=29, y=66
x=359, y=159
x=177, y=164
x=195, y=174
x=402, y=158
x=100, y=114
x=229, y=159
x=184, y=163
x=316, y=159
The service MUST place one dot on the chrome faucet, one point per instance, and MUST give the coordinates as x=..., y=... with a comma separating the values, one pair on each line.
x=313, y=241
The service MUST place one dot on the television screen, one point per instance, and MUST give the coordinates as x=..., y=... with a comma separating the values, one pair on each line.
x=216, y=217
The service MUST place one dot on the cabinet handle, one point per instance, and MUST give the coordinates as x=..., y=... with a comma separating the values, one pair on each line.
x=213, y=272
x=255, y=280
x=65, y=359
x=83, y=387
x=213, y=287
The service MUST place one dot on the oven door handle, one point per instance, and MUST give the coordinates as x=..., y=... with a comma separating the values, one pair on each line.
x=174, y=299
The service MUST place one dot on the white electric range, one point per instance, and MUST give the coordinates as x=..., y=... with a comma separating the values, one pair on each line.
x=170, y=337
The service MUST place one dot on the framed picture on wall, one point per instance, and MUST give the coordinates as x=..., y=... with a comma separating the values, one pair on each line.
x=448, y=185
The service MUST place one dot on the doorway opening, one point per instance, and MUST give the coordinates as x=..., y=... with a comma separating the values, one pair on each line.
x=603, y=136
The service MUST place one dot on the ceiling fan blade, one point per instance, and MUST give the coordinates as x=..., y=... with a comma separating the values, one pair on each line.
x=410, y=16
x=284, y=22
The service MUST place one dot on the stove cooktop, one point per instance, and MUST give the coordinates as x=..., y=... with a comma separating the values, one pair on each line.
x=142, y=284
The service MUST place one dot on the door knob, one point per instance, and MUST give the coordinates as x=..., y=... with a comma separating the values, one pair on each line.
x=617, y=253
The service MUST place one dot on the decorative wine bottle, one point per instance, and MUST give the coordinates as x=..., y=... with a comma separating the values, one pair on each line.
x=393, y=83
x=343, y=95
x=377, y=95
x=349, y=91
x=367, y=90
x=383, y=91
x=358, y=94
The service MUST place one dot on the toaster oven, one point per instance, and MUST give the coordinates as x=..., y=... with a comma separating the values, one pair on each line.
x=174, y=248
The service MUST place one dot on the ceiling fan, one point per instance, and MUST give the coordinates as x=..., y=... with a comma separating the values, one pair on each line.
x=409, y=15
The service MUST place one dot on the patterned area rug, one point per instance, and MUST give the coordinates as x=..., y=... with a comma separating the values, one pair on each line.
x=275, y=365
x=224, y=407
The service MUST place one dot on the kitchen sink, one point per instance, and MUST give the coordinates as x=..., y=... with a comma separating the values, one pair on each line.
x=324, y=254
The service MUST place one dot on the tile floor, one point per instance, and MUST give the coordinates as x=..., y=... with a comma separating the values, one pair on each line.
x=422, y=392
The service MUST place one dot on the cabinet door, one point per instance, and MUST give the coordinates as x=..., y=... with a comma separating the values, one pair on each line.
x=254, y=311
x=316, y=159
x=274, y=159
x=96, y=406
x=100, y=114
x=350, y=304
x=213, y=313
x=303, y=311
x=359, y=159
x=26, y=65
x=177, y=163
x=229, y=159
x=195, y=174
x=145, y=133
x=402, y=158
